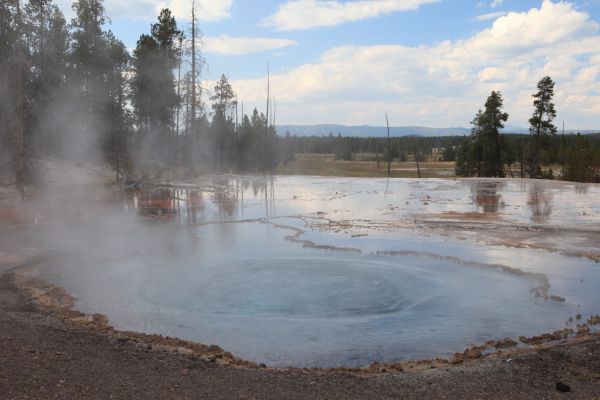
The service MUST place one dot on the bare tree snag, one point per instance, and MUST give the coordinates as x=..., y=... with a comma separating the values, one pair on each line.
x=389, y=147
x=268, y=100
x=19, y=114
x=417, y=160
x=193, y=122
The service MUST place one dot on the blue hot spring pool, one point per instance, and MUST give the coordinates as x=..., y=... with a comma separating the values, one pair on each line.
x=302, y=271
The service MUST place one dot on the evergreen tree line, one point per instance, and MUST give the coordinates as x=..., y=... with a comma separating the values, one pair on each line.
x=574, y=157
x=488, y=153
x=399, y=148
x=73, y=86
x=83, y=95
x=71, y=89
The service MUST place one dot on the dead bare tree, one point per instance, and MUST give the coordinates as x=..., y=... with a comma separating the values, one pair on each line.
x=389, y=147
x=274, y=112
x=193, y=105
x=562, y=156
x=236, y=114
x=178, y=108
x=19, y=111
x=194, y=89
x=417, y=160
x=268, y=100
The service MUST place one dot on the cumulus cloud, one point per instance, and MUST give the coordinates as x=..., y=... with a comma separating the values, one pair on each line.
x=243, y=45
x=307, y=14
x=146, y=10
x=445, y=83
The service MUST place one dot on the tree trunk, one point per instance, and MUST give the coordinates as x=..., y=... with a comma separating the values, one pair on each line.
x=417, y=160
x=538, y=132
x=193, y=87
x=19, y=114
x=268, y=99
x=178, y=108
x=193, y=110
x=389, y=147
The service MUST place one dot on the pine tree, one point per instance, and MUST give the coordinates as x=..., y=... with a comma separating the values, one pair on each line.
x=223, y=98
x=47, y=38
x=98, y=64
x=153, y=91
x=541, y=121
x=491, y=121
x=143, y=92
x=166, y=34
x=482, y=155
x=223, y=137
x=9, y=40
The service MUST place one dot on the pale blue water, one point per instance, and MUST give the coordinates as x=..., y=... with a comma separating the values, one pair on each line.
x=233, y=272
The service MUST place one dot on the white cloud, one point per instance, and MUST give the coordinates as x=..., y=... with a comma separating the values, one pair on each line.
x=307, y=14
x=487, y=17
x=206, y=10
x=493, y=74
x=491, y=4
x=243, y=45
x=444, y=84
x=148, y=10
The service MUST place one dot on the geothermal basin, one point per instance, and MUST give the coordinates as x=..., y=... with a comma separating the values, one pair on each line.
x=331, y=272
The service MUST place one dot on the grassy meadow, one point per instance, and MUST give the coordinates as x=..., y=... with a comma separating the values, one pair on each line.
x=361, y=166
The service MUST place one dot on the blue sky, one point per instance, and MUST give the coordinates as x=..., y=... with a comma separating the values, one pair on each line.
x=425, y=62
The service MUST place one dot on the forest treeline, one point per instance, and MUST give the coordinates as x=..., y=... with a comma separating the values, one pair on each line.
x=71, y=89
x=572, y=156
x=488, y=153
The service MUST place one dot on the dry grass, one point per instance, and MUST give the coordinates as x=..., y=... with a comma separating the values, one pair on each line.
x=327, y=165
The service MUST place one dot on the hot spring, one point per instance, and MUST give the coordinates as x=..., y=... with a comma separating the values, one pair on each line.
x=327, y=272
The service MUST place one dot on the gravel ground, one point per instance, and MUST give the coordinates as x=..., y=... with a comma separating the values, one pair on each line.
x=42, y=358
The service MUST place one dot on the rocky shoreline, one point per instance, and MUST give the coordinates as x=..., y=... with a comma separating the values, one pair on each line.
x=49, y=349
x=58, y=302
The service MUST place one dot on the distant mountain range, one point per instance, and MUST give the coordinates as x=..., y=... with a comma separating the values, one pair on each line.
x=367, y=131
x=380, y=131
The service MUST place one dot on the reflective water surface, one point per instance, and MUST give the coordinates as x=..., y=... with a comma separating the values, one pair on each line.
x=305, y=271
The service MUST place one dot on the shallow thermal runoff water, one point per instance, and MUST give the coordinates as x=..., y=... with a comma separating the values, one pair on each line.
x=306, y=271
